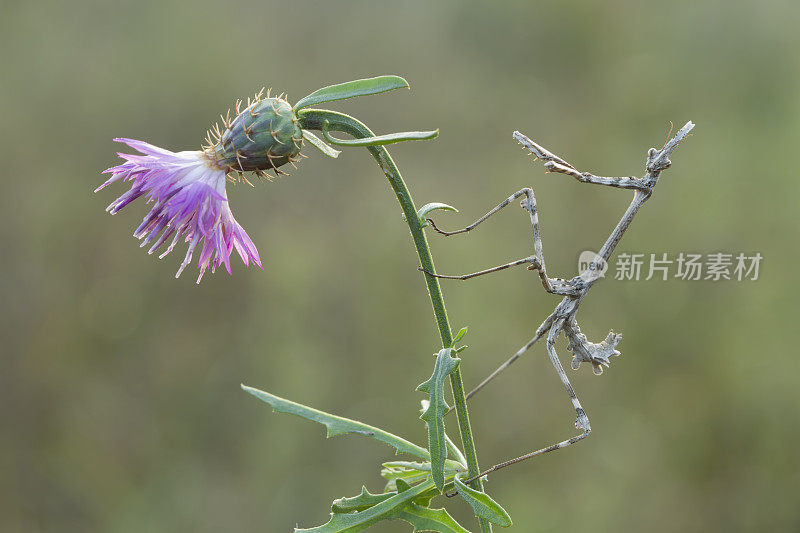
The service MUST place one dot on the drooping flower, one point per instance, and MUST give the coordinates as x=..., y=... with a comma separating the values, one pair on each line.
x=187, y=189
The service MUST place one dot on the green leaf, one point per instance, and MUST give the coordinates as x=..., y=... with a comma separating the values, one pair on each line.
x=396, y=475
x=351, y=89
x=425, y=519
x=320, y=145
x=338, y=425
x=365, y=500
x=360, y=520
x=450, y=466
x=380, y=140
x=425, y=499
x=422, y=212
x=413, y=472
x=459, y=335
x=419, y=516
x=482, y=505
x=402, y=486
x=434, y=414
x=455, y=452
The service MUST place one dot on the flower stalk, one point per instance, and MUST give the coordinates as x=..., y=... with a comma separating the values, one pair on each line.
x=324, y=120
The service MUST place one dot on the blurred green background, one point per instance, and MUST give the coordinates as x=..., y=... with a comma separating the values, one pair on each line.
x=119, y=388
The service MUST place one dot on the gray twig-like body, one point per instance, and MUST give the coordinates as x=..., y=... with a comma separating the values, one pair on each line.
x=563, y=318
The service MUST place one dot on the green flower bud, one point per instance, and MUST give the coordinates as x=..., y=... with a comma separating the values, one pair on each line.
x=265, y=135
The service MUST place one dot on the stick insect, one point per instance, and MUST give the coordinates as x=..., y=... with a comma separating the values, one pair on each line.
x=563, y=318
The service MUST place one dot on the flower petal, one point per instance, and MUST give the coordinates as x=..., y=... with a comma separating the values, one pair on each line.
x=189, y=202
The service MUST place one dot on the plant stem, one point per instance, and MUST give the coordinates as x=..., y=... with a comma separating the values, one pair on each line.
x=315, y=119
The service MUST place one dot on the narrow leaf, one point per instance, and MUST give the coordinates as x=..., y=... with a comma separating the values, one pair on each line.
x=422, y=212
x=380, y=140
x=351, y=89
x=425, y=519
x=396, y=475
x=434, y=414
x=450, y=466
x=338, y=425
x=360, y=520
x=320, y=145
x=425, y=499
x=402, y=486
x=455, y=452
x=412, y=472
x=365, y=500
x=460, y=335
x=482, y=505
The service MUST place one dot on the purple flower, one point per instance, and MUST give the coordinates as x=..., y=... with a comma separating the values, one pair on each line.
x=187, y=190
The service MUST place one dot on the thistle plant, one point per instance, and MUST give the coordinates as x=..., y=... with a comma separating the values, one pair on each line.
x=188, y=192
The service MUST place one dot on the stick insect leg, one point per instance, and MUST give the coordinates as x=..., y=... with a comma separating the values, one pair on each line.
x=582, y=421
x=540, y=331
x=529, y=204
x=501, y=205
x=553, y=163
x=535, y=262
x=532, y=261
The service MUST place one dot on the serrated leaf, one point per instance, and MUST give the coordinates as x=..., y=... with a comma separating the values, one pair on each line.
x=425, y=519
x=434, y=414
x=337, y=425
x=381, y=140
x=482, y=505
x=422, y=212
x=419, y=516
x=320, y=145
x=351, y=89
x=360, y=520
x=365, y=500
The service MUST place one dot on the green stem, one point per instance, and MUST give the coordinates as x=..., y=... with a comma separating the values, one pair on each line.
x=315, y=119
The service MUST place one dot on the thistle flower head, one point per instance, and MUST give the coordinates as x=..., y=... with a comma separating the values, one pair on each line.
x=265, y=135
x=190, y=203
x=187, y=189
